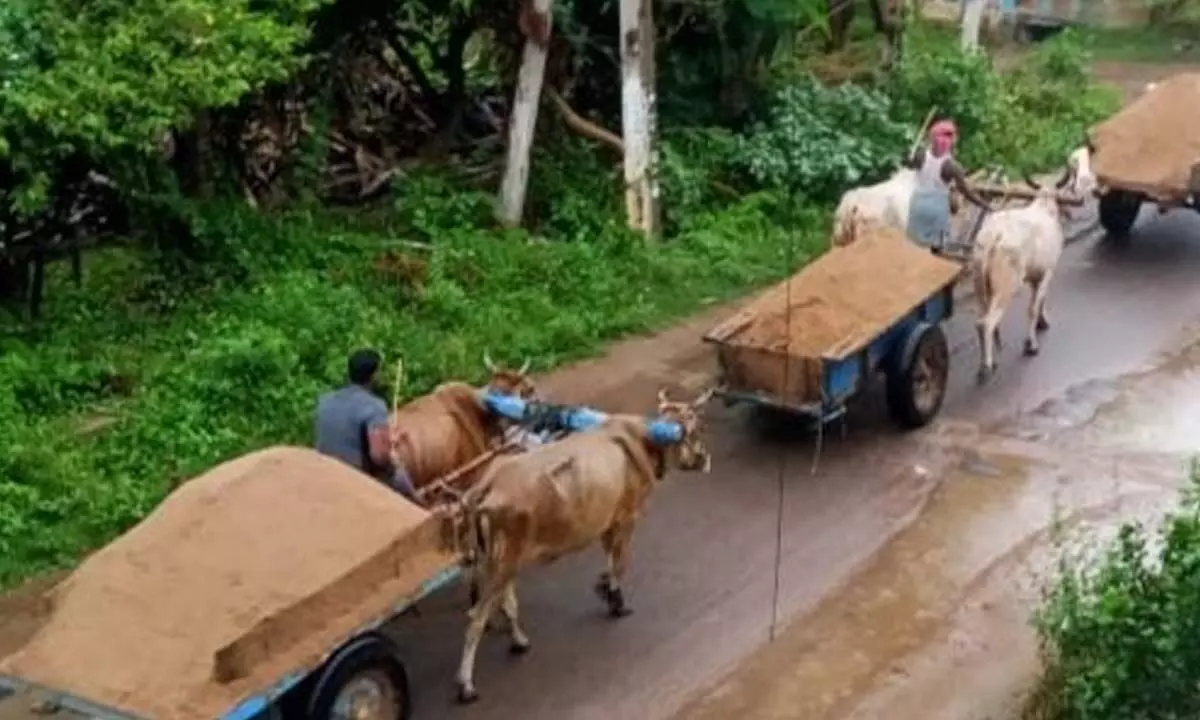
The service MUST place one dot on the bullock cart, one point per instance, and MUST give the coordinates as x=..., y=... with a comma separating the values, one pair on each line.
x=1149, y=152
x=257, y=590
x=813, y=342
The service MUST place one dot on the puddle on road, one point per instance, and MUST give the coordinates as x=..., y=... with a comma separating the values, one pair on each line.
x=822, y=664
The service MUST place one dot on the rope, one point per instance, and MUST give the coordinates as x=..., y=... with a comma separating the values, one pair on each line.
x=787, y=362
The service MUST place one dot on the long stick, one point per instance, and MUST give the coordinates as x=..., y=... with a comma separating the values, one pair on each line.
x=921, y=132
x=396, y=384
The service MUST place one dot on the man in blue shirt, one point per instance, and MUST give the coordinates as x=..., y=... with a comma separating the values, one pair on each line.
x=352, y=425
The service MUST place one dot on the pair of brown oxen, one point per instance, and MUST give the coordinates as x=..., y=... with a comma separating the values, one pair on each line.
x=531, y=507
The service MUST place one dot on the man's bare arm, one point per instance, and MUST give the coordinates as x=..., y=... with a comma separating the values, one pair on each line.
x=959, y=178
x=379, y=444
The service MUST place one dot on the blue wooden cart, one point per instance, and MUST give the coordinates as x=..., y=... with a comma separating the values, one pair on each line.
x=810, y=344
x=360, y=672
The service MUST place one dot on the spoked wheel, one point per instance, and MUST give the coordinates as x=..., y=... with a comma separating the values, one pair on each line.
x=917, y=388
x=363, y=681
x=1118, y=212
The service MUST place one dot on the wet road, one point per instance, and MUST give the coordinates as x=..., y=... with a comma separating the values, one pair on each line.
x=880, y=503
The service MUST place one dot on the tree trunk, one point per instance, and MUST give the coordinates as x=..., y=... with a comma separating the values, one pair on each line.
x=523, y=122
x=637, y=115
x=971, y=21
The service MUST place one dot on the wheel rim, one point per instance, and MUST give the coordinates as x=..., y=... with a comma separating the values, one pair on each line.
x=930, y=369
x=368, y=696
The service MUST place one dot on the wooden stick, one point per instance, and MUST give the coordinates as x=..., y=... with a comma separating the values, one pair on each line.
x=396, y=385
x=453, y=477
x=921, y=132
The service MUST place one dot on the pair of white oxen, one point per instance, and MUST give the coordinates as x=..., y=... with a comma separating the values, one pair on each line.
x=1014, y=245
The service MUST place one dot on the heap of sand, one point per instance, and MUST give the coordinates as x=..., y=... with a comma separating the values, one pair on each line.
x=243, y=575
x=838, y=304
x=1151, y=145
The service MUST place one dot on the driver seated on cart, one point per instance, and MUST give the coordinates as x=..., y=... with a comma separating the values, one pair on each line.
x=929, y=209
x=353, y=425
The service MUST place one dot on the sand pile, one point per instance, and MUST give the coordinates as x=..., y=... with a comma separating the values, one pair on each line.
x=242, y=575
x=838, y=304
x=1151, y=145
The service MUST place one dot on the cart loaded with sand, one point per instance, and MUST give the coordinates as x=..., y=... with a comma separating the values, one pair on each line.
x=1149, y=152
x=811, y=343
x=256, y=590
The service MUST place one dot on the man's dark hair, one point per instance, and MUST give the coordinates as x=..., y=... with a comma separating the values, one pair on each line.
x=363, y=365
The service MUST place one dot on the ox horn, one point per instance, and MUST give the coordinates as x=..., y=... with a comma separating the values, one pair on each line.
x=487, y=361
x=1032, y=183
x=704, y=397
x=662, y=397
x=1088, y=141
x=525, y=368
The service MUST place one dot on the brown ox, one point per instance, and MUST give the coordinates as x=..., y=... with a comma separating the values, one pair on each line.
x=536, y=507
x=438, y=433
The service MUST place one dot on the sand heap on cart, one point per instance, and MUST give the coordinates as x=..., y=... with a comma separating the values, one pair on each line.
x=1151, y=145
x=839, y=304
x=241, y=576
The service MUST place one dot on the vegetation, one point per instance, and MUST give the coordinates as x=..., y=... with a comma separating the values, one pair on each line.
x=272, y=184
x=1122, y=637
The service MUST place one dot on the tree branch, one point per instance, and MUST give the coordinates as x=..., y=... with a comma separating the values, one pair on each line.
x=582, y=125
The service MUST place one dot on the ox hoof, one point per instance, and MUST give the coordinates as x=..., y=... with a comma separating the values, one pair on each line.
x=1043, y=325
x=983, y=375
x=467, y=695
x=617, y=613
x=517, y=649
x=1031, y=349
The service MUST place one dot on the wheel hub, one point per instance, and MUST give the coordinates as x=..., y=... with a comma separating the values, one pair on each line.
x=367, y=697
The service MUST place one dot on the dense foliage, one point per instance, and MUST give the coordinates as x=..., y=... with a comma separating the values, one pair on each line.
x=1122, y=637
x=213, y=335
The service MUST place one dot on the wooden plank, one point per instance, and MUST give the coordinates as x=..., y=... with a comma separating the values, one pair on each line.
x=523, y=122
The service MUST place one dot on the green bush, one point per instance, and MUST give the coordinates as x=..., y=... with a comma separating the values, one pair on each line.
x=820, y=140
x=1025, y=120
x=1122, y=638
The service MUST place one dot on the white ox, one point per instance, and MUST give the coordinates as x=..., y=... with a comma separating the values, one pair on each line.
x=885, y=203
x=1016, y=246
x=556, y=500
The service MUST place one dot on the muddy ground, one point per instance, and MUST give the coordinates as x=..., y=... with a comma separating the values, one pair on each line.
x=905, y=564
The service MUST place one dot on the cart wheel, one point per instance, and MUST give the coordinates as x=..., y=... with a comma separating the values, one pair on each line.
x=1118, y=211
x=364, y=681
x=917, y=388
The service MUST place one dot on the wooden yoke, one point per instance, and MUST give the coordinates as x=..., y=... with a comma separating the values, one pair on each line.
x=1023, y=193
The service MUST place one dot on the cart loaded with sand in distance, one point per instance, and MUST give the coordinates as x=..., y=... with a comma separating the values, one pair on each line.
x=811, y=343
x=1149, y=152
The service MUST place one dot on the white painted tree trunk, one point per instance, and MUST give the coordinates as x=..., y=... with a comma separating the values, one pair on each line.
x=638, y=115
x=971, y=20
x=522, y=124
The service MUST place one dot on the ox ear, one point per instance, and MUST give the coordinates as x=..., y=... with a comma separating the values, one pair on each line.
x=487, y=361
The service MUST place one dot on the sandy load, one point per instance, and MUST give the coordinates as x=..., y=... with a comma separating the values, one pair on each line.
x=1151, y=145
x=242, y=575
x=839, y=304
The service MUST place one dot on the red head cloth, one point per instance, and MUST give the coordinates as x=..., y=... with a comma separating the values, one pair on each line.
x=942, y=135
